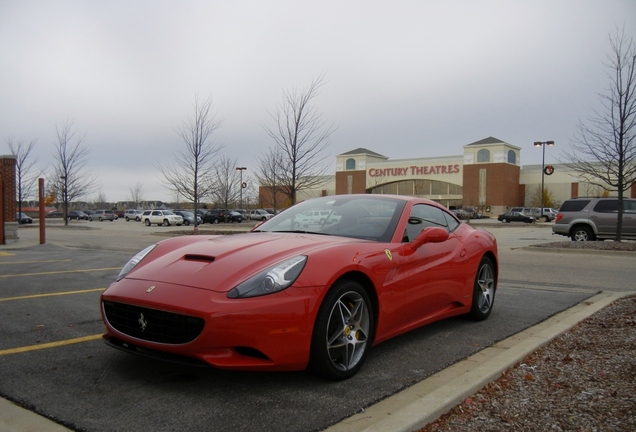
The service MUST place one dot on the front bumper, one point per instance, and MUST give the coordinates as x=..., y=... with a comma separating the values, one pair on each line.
x=263, y=333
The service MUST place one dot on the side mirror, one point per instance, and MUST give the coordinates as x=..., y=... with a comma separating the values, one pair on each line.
x=428, y=235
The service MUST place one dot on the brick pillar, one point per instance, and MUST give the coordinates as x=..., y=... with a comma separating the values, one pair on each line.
x=7, y=173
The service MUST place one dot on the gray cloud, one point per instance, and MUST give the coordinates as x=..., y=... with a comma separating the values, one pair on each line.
x=405, y=79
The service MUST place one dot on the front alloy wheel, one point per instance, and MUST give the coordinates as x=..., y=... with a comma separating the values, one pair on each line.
x=343, y=332
x=484, y=290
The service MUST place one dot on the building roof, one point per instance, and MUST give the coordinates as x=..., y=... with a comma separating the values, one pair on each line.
x=489, y=140
x=361, y=150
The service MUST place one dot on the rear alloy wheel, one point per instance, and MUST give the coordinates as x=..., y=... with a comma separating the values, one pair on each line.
x=504, y=220
x=343, y=332
x=582, y=233
x=483, y=291
x=147, y=222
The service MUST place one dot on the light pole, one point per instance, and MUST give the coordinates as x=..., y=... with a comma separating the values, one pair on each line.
x=543, y=144
x=241, y=169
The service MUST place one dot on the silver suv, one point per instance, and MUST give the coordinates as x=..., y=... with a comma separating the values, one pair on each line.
x=584, y=219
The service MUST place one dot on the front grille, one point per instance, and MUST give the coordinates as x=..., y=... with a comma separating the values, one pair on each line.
x=151, y=324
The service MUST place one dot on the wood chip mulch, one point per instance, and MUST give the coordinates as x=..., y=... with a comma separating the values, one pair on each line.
x=584, y=380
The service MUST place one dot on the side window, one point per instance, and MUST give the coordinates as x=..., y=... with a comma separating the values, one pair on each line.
x=424, y=216
x=629, y=206
x=156, y=213
x=606, y=206
x=574, y=205
x=512, y=157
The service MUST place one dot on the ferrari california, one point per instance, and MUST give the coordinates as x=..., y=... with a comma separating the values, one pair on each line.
x=291, y=297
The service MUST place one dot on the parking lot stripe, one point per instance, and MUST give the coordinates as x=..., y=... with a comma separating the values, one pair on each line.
x=59, y=272
x=51, y=294
x=32, y=262
x=50, y=345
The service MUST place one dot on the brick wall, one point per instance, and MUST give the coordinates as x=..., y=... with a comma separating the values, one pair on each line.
x=7, y=172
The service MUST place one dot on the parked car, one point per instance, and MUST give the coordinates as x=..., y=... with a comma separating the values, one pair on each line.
x=118, y=214
x=584, y=219
x=547, y=215
x=102, y=215
x=317, y=299
x=22, y=218
x=188, y=216
x=161, y=217
x=515, y=216
x=77, y=215
x=213, y=216
x=260, y=215
x=133, y=215
x=319, y=217
x=54, y=214
x=235, y=217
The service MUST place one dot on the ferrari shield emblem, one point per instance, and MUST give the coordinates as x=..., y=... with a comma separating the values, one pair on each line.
x=389, y=255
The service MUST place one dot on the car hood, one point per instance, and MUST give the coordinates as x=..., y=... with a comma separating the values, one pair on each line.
x=219, y=263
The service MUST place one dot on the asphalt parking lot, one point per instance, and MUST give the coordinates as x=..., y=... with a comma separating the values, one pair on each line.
x=53, y=361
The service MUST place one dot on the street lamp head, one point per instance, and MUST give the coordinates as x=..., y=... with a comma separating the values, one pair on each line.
x=542, y=143
x=550, y=143
x=241, y=168
x=538, y=143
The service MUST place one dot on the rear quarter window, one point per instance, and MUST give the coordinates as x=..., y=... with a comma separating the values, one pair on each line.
x=606, y=206
x=574, y=205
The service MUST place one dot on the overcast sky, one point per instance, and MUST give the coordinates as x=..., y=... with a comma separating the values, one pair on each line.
x=406, y=79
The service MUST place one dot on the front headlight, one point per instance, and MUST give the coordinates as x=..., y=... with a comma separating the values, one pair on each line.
x=134, y=261
x=272, y=280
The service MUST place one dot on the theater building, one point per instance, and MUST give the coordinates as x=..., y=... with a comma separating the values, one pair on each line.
x=488, y=176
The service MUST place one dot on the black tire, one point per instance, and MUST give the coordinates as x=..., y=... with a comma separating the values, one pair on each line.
x=166, y=223
x=215, y=221
x=504, y=221
x=483, y=291
x=127, y=219
x=343, y=332
x=147, y=222
x=186, y=222
x=582, y=233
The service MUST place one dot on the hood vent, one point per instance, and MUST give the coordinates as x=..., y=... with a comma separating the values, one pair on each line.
x=202, y=258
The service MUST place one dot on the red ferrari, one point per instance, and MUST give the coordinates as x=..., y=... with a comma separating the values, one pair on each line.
x=301, y=292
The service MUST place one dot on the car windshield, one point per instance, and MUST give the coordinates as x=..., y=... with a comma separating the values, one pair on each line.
x=362, y=217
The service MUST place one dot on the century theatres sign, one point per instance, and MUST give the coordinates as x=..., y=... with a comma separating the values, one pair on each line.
x=414, y=170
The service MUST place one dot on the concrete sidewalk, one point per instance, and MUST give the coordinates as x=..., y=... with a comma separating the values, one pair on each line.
x=418, y=405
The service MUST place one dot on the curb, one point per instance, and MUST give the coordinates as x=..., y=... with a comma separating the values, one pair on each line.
x=425, y=402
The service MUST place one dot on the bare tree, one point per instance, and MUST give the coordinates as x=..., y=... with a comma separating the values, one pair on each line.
x=70, y=157
x=227, y=186
x=269, y=174
x=136, y=193
x=26, y=175
x=302, y=136
x=189, y=175
x=604, y=150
